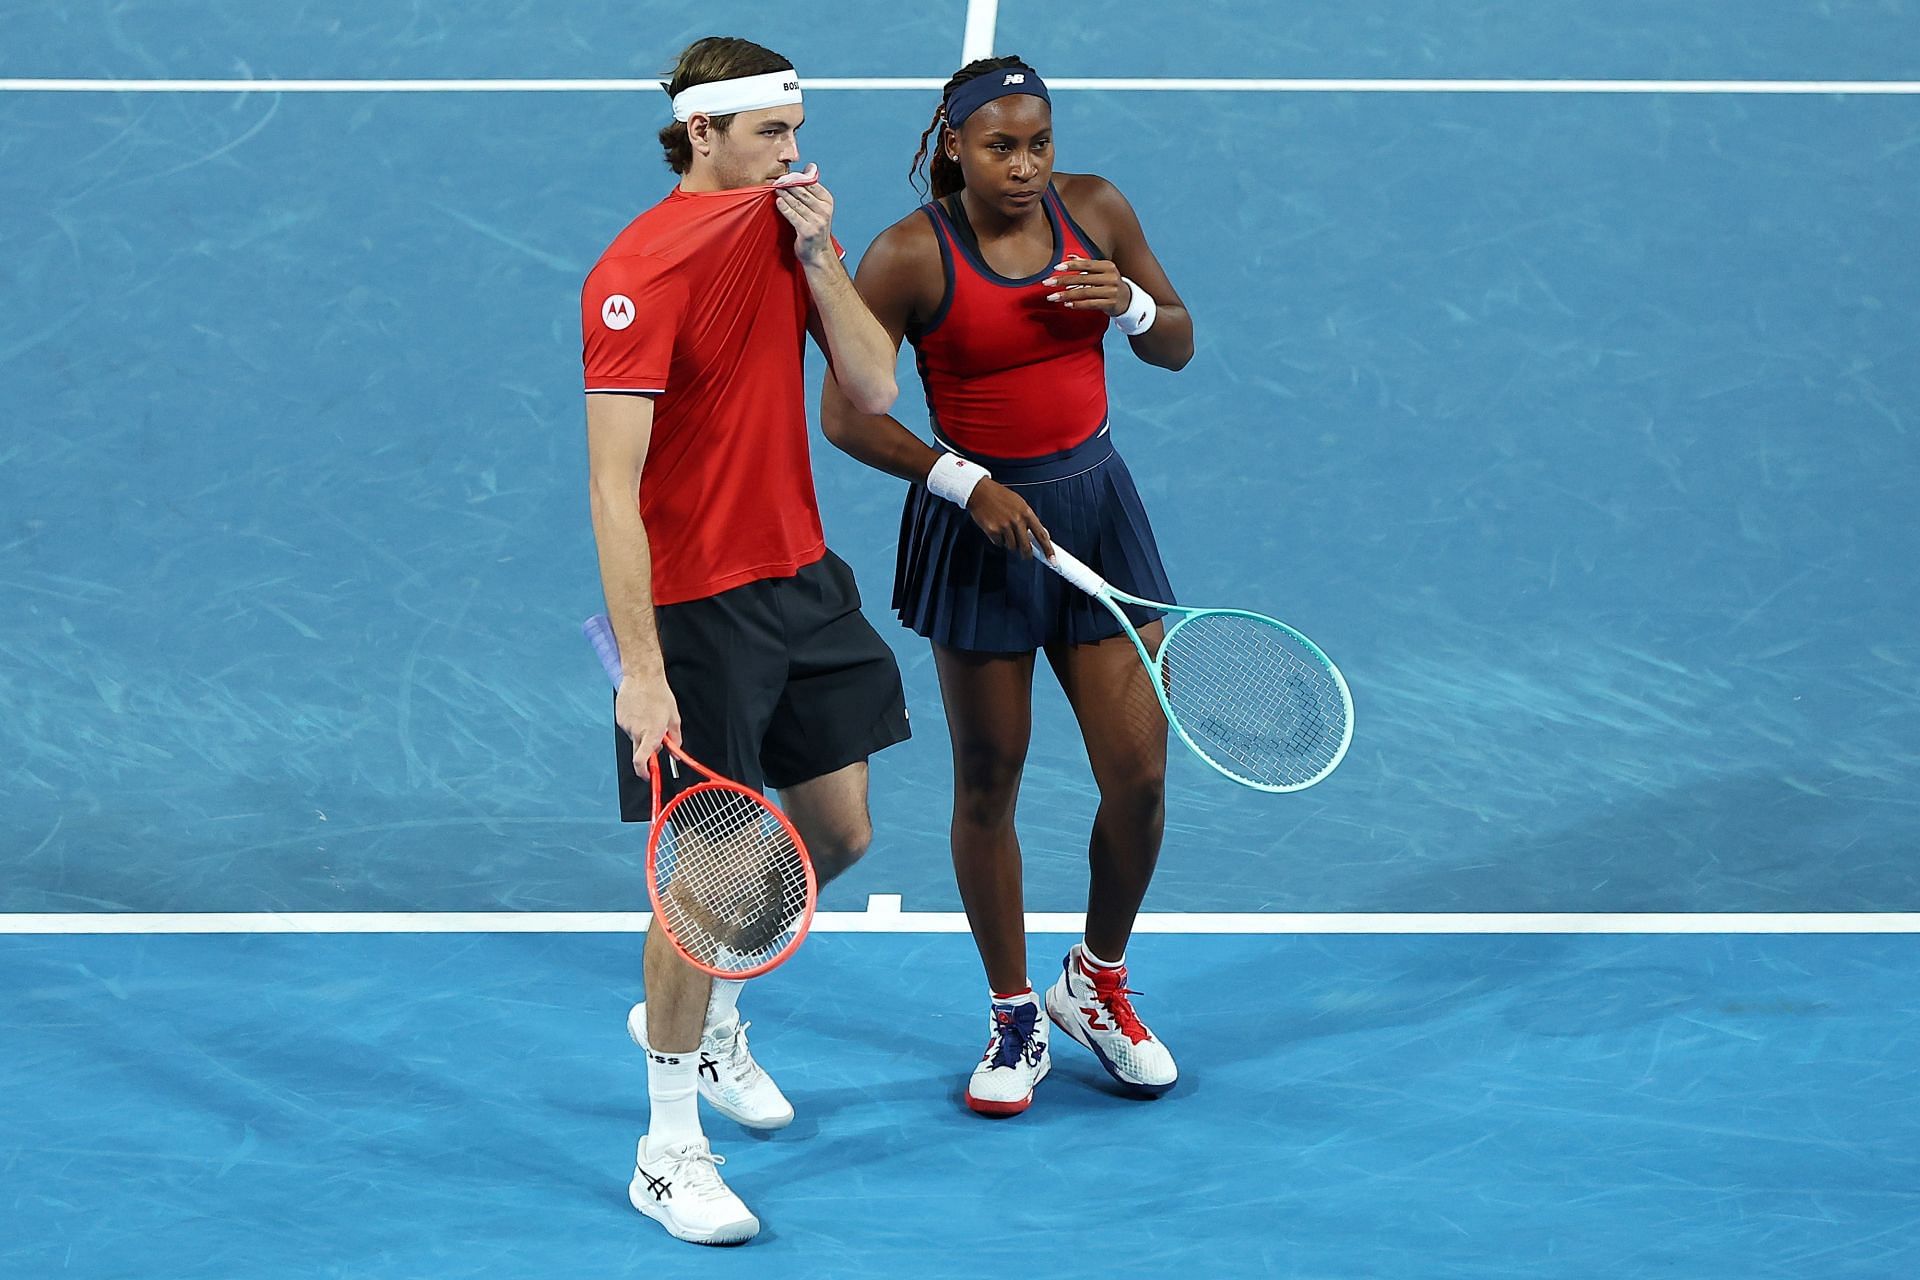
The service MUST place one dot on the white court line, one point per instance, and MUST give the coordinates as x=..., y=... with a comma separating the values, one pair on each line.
x=883, y=915
x=1493, y=86
x=982, y=15
x=923, y=83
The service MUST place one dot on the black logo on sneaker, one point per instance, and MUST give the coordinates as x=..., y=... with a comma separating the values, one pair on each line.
x=660, y=1187
x=709, y=1068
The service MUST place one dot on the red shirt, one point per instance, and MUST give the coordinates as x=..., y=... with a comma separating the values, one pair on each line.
x=701, y=303
x=1007, y=373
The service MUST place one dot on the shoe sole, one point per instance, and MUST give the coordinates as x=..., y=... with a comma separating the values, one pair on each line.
x=1000, y=1110
x=1073, y=1033
x=726, y=1234
x=740, y=1118
x=757, y=1123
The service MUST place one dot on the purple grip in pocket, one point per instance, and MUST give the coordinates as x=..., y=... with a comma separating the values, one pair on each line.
x=600, y=631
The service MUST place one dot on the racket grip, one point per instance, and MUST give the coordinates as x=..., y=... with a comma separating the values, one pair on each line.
x=1069, y=567
x=600, y=631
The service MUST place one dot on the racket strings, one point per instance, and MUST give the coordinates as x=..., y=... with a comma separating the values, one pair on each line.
x=732, y=884
x=1253, y=699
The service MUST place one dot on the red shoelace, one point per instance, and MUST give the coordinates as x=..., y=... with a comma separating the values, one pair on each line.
x=1111, y=990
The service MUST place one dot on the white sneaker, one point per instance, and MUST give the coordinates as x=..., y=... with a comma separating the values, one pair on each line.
x=1091, y=1005
x=1015, y=1061
x=729, y=1077
x=679, y=1187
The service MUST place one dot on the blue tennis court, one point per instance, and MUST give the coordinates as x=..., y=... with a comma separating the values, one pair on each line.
x=1580, y=427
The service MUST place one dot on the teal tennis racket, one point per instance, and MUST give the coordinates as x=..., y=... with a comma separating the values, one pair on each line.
x=1250, y=695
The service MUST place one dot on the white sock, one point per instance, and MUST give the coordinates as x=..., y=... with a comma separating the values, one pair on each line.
x=1095, y=962
x=673, y=1098
x=724, y=1004
x=1023, y=996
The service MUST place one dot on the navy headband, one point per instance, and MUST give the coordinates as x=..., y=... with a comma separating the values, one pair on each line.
x=971, y=95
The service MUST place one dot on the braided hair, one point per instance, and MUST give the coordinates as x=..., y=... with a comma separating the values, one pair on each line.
x=943, y=175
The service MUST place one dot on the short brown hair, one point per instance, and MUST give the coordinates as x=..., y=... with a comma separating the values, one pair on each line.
x=703, y=62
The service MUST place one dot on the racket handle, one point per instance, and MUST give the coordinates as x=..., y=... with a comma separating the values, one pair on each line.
x=1069, y=567
x=600, y=631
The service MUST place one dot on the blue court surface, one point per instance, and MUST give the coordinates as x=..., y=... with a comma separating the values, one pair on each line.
x=1582, y=429
x=1353, y=1107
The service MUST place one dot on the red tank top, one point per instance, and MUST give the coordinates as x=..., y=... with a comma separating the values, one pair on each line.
x=1007, y=373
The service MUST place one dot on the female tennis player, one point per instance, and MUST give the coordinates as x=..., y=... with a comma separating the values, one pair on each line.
x=1006, y=283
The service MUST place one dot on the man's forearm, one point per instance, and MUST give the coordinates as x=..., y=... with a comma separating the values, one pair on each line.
x=863, y=355
x=626, y=578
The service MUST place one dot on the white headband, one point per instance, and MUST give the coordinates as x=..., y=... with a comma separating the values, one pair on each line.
x=748, y=93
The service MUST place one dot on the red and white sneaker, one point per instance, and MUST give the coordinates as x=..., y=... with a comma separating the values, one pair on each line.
x=1091, y=1004
x=1015, y=1061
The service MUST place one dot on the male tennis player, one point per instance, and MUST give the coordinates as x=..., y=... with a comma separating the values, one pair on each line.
x=740, y=633
x=1006, y=283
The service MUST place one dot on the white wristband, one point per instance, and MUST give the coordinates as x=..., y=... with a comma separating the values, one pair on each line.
x=954, y=478
x=1140, y=312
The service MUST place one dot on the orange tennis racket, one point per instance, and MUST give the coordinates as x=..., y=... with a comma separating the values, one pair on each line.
x=728, y=876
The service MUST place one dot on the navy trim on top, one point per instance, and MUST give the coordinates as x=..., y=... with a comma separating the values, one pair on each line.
x=956, y=215
x=915, y=332
x=1043, y=468
x=961, y=230
x=926, y=389
x=1053, y=194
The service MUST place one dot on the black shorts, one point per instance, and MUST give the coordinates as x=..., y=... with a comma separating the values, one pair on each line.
x=779, y=681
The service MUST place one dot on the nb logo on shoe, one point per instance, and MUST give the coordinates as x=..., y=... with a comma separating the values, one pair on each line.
x=1016, y=77
x=1093, y=1019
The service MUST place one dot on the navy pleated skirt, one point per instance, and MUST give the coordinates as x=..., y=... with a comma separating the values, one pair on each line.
x=955, y=587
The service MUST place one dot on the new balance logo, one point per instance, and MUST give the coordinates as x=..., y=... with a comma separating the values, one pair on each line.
x=1016, y=77
x=617, y=311
x=1093, y=1019
x=660, y=1188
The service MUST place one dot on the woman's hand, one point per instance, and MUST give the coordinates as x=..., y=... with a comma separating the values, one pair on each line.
x=1005, y=517
x=1090, y=284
